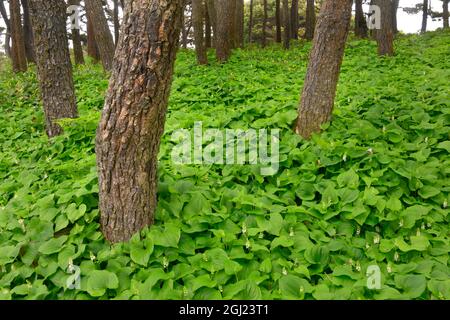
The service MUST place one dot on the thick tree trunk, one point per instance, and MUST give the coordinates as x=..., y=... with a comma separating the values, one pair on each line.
x=116, y=21
x=278, y=21
x=92, y=48
x=385, y=36
x=19, y=58
x=395, y=4
x=224, y=25
x=28, y=33
x=212, y=15
x=233, y=26
x=294, y=19
x=4, y=14
x=197, y=21
x=208, y=27
x=361, y=29
x=76, y=39
x=310, y=19
x=53, y=62
x=424, y=16
x=264, y=25
x=445, y=14
x=286, y=24
x=240, y=23
x=132, y=123
x=103, y=36
x=324, y=66
x=250, y=23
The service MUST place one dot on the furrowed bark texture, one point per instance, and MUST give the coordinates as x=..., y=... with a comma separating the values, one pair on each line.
x=361, y=29
x=197, y=22
x=385, y=36
x=92, y=48
x=132, y=123
x=53, y=62
x=19, y=58
x=310, y=19
x=324, y=66
x=286, y=24
x=224, y=25
x=76, y=39
x=103, y=36
x=28, y=33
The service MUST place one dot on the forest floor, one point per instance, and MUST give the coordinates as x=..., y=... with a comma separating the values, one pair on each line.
x=371, y=191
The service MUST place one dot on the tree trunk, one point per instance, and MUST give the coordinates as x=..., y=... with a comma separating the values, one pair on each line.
x=385, y=36
x=445, y=14
x=287, y=24
x=395, y=4
x=264, y=25
x=28, y=33
x=360, y=21
x=76, y=39
x=233, y=26
x=53, y=62
x=4, y=14
x=212, y=15
x=92, y=47
x=240, y=23
x=250, y=23
x=310, y=20
x=424, y=16
x=224, y=25
x=208, y=27
x=132, y=123
x=278, y=20
x=294, y=19
x=324, y=66
x=103, y=37
x=116, y=21
x=197, y=21
x=19, y=58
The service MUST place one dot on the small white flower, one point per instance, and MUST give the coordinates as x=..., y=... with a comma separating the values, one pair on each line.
x=367, y=246
x=92, y=256
x=370, y=151
x=248, y=244
x=384, y=129
x=244, y=228
x=376, y=239
x=291, y=232
x=445, y=204
x=426, y=139
x=358, y=266
x=165, y=263
x=205, y=258
x=429, y=225
x=422, y=226
x=284, y=271
x=344, y=157
x=400, y=224
x=358, y=231
x=389, y=268
x=261, y=235
x=302, y=289
x=396, y=256
x=319, y=162
x=185, y=291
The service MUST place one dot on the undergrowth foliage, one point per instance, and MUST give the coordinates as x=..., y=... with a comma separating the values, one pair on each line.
x=372, y=189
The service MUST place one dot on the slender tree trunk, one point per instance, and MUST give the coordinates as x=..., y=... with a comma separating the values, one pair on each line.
x=424, y=16
x=224, y=25
x=445, y=14
x=324, y=66
x=212, y=15
x=310, y=20
x=28, y=33
x=294, y=19
x=76, y=39
x=395, y=4
x=264, y=25
x=116, y=21
x=250, y=23
x=208, y=27
x=53, y=62
x=360, y=21
x=103, y=37
x=132, y=123
x=278, y=20
x=4, y=14
x=233, y=26
x=240, y=23
x=197, y=21
x=385, y=36
x=287, y=24
x=92, y=48
x=18, y=43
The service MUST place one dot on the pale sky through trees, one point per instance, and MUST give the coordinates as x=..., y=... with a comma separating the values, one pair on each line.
x=407, y=23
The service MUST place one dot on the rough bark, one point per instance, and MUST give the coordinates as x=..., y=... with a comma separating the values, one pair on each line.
x=286, y=24
x=28, y=33
x=385, y=36
x=250, y=23
x=424, y=16
x=19, y=58
x=53, y=62
x=116, y=21
x=310, y=20
x=103, y=36
x=132, y=123
x=395, y=4
x=264, y=25
x=92, y=48
x=324, y=66
x=197, y=21
x=294, y=19
x=208, y=27
x=239, y=23
x=76, y=39
x=4, y=14
x=278, y=21
x=445, y=14
x=224, y=25
x=212, y=15
x=361, y=29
